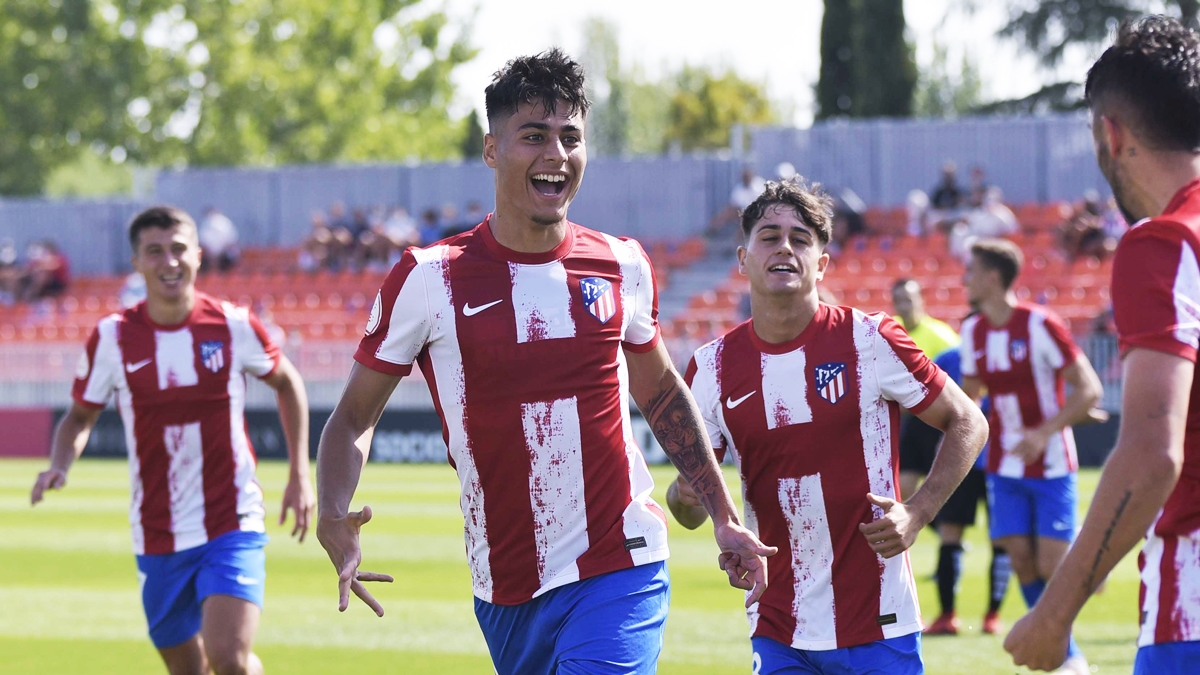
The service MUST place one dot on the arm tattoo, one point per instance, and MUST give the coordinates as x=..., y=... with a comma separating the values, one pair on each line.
x=1091, y=582
x=673, y=418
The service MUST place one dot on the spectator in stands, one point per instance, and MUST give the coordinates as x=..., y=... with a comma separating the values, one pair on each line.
x=218, y=241
x=848, y=222
x=947, y=196
x=325, y=247
x=47, y=271
x=401, y=229
x=989, y=220
x=916, y=207
x=338, y=218
x=729, y=217
x=10, y=272
x=978, y=187
x=431, y=228
x=375, y=249
x=1083, y=234
x=475, y=214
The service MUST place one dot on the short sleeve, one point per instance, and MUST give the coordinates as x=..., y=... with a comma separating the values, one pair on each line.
x=966, y=350
x=1053, y=342
x=1156, y=291
x=642, y=334
x=262, y=356
x=400, y=324
x=703, y=383
x=96, y=371
x=906, y=375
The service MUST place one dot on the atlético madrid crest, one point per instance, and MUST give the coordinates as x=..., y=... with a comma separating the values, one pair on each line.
x=831, y=381
x=212, y=355
x=598, y=297
x=1020, y=350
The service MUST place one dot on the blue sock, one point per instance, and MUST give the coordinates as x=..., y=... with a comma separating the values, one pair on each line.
x=1033, y=592
x=1073, y=649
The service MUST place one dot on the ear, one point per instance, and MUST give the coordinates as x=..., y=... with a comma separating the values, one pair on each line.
x=1115, y=135
x=822, y=263
x=489, y=150
x=741, y=256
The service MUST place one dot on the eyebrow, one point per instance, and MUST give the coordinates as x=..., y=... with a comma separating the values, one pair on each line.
x=542, y=126
x=779, y=228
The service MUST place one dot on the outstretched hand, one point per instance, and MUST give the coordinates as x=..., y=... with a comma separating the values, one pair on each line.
x=744, y=559
x=298, y=496
x=339, y=537
x=50, y=479
x=896, y=531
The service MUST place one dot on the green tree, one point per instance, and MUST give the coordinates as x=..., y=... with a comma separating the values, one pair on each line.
x=608, y=121
x=472, y=144
x=943, y=93
x=706, y=106
x=885, y=72
x=1048, y=27
x=835, y=86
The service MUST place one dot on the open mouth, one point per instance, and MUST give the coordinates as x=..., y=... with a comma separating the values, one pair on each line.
x=549, y=184
x=171, y=280
x=782, y=268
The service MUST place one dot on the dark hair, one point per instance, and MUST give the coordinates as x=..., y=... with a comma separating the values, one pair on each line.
x=1152, y=71
x=546, y=79
x=162, y=217
x=811, y=204
x=1001, y=255
x=904, y=281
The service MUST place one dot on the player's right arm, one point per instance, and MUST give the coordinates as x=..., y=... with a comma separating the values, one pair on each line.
x=70, y=438
x=682, y=500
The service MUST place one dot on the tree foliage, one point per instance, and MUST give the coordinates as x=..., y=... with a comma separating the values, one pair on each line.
x=867, y=64
x=835, y=85
x=230, y=82
x=706, y=106
x=944, y=92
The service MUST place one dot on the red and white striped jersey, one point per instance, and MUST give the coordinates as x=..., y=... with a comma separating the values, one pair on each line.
x=1021, y=365
x=524, y=357
x=1156, y=305
x=813, y=425
x=181, y=392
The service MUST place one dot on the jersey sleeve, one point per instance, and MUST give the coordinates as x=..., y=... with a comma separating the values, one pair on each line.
x=1156, y=291
x=96, y=372
x=262, y=355
x=906, y=375
x=1053, y=342
x=703, y=383
x=400, y=323
x=642, y=334
x=966, y=350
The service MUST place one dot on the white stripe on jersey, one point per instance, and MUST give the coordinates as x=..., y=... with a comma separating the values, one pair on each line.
x=875, y=421
x=998, y=360
x=1187, y=606
x=556, y=490
x=245, y=353
x=1008, y=411
x=1152, y=554
x=635, y=290
x=1187, y=289
x=185, y=480
x=785, y=389
x=542, y=301
x=638, y=520
x=436, y=295
x=1047, y=360
x=174, y=356
x=803, y=503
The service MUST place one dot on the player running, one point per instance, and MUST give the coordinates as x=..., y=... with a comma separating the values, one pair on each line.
x=1144, y=95
x=178, y=363
x=807, y=397
x=533, y=333
x=1023, y=355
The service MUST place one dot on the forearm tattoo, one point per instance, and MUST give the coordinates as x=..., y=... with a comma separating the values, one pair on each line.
x=1091, y=583
x=676, y=424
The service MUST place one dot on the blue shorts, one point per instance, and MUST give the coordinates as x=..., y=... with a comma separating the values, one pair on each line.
x=610, y=624
x=1041, y=507
x=893, y=656
x=175, y=585
x=1169, y=658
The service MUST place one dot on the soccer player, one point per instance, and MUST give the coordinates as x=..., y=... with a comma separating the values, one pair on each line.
x=1023, y=355
x=1145, y=105
x=533, y=333
x=807, y=397
x=177, y=363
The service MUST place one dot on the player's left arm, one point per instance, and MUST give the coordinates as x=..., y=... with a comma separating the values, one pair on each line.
x=1085, y=392
x=964, y=433
x=293, y=415
x=664, y=399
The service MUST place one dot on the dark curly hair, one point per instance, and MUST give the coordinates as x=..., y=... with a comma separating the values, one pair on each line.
x=547, y=79
x=1152, y=72
x=160, y=217
x=809, y=201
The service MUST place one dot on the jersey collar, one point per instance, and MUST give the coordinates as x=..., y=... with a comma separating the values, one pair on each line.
x=505, y=253
x=1185, y=193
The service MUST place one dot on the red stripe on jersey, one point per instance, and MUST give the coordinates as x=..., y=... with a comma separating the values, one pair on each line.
x=216, y=434
x=1167, y=628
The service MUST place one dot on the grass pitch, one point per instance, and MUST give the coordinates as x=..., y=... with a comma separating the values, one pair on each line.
x=68, y=588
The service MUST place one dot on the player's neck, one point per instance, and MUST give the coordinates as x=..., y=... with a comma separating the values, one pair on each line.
x=525, y=236
x=171, y=311
x=999, y=309
x=779, y=319
x=1162, y=180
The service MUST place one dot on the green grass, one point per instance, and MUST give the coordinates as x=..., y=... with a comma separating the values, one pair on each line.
x=69, y=592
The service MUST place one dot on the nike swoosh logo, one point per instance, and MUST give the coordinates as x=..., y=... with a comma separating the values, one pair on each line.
x=468, y=310
x=246, y=581
x=134, y=367
x=731, y=403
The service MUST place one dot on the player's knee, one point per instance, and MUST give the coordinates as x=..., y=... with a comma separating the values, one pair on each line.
x=231, y=661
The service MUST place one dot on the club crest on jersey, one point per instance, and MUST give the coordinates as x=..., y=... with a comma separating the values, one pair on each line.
x=831, y=381
x=1019, y=350
x=212, y=355
x=598, y=298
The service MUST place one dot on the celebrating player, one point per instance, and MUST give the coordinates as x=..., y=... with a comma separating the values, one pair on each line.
x=1023, y=355
x=1144, y=95
x=177, y=362
x=533, y=333
x=807, y=397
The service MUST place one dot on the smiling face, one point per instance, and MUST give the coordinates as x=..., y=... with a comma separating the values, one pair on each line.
x=981, y=281
x=782, y=255
x=539, y=160
x=168, y=257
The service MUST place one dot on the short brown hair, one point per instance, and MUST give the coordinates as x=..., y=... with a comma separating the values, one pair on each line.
x=809, y=201
x=1001, y=255
x=161, y=217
